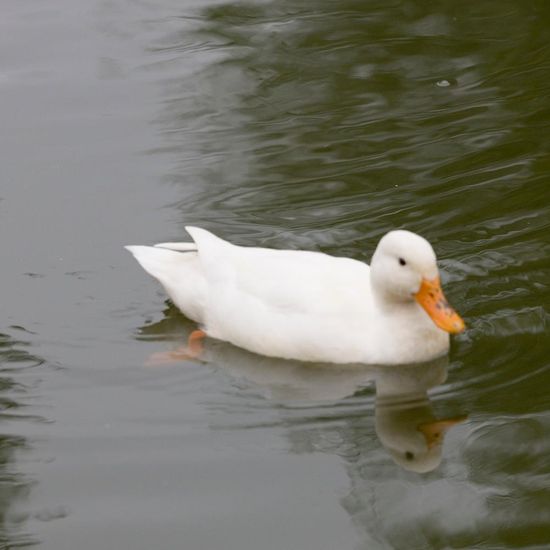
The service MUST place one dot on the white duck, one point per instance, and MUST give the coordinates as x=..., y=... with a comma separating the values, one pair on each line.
x=310, y=306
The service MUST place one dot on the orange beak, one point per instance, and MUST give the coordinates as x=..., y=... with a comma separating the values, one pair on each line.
x=434, y=431
x=431, y=298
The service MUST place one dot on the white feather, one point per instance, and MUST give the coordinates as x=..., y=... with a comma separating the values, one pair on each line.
x=180, y=247
x=180, y=274
x=301, y=305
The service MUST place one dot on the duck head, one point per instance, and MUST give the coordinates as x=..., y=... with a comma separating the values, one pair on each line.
x=404, y=269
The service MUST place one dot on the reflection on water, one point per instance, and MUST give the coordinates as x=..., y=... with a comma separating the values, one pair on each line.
x=14, y=484
x=330, y=409
x=404, y=420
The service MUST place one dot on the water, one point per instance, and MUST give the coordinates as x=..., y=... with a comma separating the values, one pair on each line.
x=287, y=124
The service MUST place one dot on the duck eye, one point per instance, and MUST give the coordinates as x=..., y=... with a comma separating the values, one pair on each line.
x=402, y=261
x=409, y=456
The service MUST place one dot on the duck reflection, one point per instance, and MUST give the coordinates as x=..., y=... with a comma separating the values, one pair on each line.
x=405, y=422
x=404, y=418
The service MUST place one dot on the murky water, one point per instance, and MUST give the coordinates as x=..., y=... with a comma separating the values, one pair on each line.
x=317, y=125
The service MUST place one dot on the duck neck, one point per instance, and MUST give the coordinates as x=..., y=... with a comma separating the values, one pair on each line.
x=394, y=305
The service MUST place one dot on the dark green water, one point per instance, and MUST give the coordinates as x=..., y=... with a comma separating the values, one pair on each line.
x=317, y=125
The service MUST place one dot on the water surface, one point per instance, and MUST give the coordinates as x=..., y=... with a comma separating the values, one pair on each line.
x=317, y=125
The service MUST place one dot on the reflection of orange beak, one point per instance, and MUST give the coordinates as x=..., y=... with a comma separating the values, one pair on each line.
x=434, y=431
x=431, y=298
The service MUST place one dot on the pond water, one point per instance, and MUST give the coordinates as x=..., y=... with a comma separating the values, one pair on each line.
x=314, y=125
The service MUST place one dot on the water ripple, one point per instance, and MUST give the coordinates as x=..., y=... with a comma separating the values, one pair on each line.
x=322, y=128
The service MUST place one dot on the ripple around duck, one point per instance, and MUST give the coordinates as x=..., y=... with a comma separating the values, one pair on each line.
x=299, y=134
x=323, y=128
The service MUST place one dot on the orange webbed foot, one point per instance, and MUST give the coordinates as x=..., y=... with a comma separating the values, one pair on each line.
x=193, y=350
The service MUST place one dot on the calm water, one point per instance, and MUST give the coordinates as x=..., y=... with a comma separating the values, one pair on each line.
x=317, y=125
